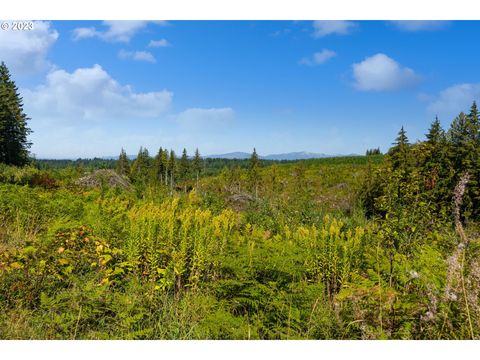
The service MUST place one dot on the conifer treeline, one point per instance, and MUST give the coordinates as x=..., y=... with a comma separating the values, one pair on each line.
x=165, y=168
x=169, y=170
x=431, y=168
x=375, y=151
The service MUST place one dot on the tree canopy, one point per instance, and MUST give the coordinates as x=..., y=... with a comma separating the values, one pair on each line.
x=14, y=145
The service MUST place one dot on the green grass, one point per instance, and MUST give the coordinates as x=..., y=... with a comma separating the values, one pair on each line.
x=300, y=262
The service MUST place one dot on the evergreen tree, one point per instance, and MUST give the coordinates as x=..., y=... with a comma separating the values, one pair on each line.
x=474, y=118
x=435, y=165
x=399, y=153
x=254, y=171
x=159, y=166
x=14, y=144
x=184, y=166
x=473, y=190
x=435, y=146
x=474, y=126
x=172, y=168
x=165, y=161
x=373, y=152
x=141, y=166
x=402, y=140
x=123, y=165
x=197, y=164
x=435, y=134
x=463, y=138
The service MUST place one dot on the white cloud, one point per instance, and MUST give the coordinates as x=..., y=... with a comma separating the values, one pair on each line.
x=318, y=57
x=117, y=30
x=84, y=33
x=137, y=56
x=454, y=99
x=194, y=118
x=419, y=25
x=25, y=52
x=158, y=43
x=91, y=94
x=381, y=73
x=327, y=27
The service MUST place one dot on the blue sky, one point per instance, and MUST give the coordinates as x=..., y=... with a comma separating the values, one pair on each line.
x=338, y=87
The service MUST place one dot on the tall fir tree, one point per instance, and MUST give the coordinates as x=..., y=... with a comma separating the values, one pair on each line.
x=474, y=189
x=435, y=165
x=435, y=134
x=463, y=138
x=435, y=148
x=399, y=153
x=158, y=169
x=172, y=168
x=123, y=164
x=254, y=172
x=474, y=118
x=197, y=165
x=14, y=145
x=165, y=161
x=140, y=170
x=184, y=166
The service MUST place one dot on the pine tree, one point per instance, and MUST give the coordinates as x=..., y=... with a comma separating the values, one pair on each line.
x=474, y=118
x=159, y=165
x=14, y=144
x=435, y=147
x=172, y=168
x=123, y=165
x=141, y=166
x=373, y=152
x=399, y=153
x=197, y=164
x=435, y=134
x=474, y=127
x=164, y=161
x=402, y=139
x=434, y=163
x=473, y=191
x=184, y=166
x=254, y=171
x=463, y=137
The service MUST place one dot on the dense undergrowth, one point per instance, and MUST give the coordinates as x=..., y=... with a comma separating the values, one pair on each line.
x=299, y=262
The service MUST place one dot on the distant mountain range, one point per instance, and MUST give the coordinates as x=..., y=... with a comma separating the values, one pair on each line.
x=299, y=155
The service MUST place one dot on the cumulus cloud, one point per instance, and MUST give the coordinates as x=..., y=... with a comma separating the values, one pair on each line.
x=116, y=30
x=91, y=94
x=318, y=57
x=454, y=99
x=137, y=56
x=84, y=33
x=381, y=73
x=25, y=52
x=419, y=25
x=201, y=117
x=323, y=28
x=158, y=43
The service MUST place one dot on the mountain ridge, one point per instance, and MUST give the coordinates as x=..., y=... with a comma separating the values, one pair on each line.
x=297, y=155
x=240, y=155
